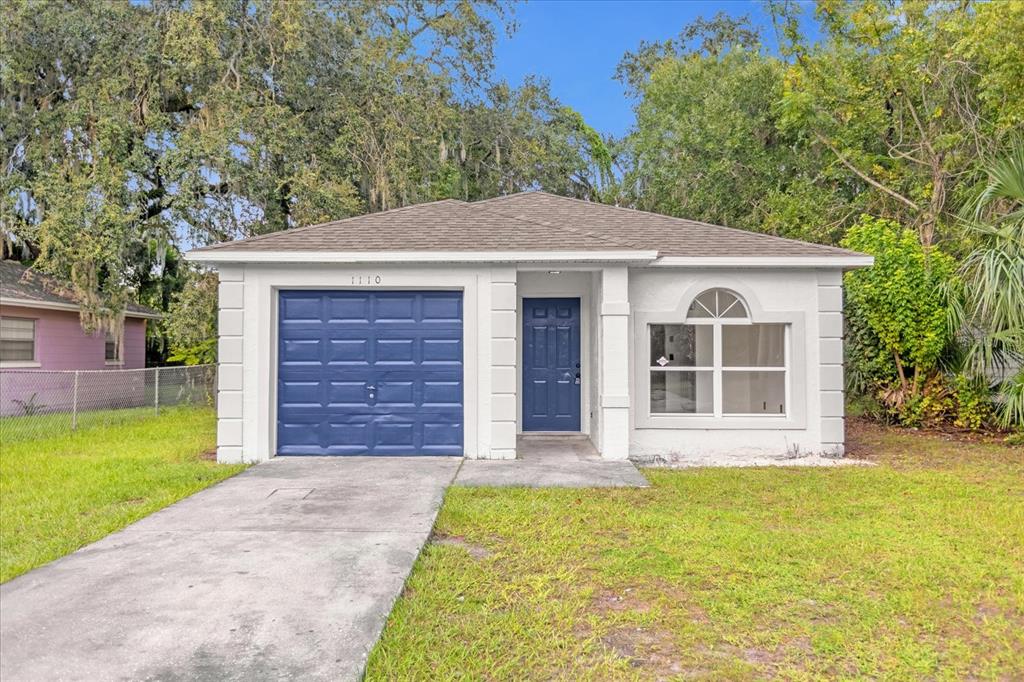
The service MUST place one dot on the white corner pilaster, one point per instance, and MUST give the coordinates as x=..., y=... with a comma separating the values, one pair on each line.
x=614, y=387
x=504, y=389
x=830, y=377
x=229, y=364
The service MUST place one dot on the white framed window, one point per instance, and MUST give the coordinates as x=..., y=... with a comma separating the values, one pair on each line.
x=111, y=350
x=17, y=340
x=718, y=363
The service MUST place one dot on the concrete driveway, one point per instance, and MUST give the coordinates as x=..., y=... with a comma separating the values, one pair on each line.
x=288, y=570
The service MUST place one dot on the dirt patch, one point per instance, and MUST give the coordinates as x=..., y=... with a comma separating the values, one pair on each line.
x=986, y=611
x=476, y=551
x=652, y=649
x=209, y=455
x=606, y=601
x=818, y=613
x=862, y=432
x=928, y=448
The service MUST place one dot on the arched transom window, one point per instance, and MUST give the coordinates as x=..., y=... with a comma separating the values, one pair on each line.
x=715, y=303
x=718, y=362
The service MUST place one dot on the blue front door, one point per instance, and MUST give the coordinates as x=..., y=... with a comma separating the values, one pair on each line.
x=551, y=364
x=369, y=373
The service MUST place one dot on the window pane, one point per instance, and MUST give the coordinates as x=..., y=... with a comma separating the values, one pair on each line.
x=730, y=306
x=698, y=310
x=705, y=305
x=755, y=345
x=681, y=392
x=753, y=392
x=17, y=350
x=681, y=345
x=17, y=339
x=110, y=349
x=17, y=329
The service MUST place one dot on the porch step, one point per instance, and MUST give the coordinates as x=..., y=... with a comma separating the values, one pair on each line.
x=554, y=435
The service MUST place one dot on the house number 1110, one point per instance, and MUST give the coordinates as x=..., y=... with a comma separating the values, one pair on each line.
x=366, y=279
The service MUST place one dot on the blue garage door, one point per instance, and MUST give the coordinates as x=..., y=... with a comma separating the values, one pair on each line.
x=369, y=373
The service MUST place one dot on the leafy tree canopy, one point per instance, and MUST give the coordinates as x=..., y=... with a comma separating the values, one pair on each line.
x=134, y=129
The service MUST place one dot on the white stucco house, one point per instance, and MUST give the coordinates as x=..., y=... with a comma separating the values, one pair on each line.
x=451, y=328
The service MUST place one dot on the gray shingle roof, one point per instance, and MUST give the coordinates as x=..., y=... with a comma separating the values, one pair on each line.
x=528, y=221
x=25, y=284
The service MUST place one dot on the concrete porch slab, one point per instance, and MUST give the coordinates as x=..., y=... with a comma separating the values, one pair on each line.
x=551, y=462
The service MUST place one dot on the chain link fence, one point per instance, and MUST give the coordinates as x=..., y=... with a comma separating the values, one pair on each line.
x=35, y=403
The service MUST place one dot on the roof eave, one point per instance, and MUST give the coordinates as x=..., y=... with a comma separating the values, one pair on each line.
x=845, y=262
x=70, y=307
x=283, y=257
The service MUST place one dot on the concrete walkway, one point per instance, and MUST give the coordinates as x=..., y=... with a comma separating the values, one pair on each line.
x=286, y=571
x=552, y=462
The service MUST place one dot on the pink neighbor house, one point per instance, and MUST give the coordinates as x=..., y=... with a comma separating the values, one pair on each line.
x=40, y=329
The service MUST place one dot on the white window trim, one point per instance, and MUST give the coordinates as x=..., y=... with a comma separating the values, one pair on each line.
x=795, y=366
x=718, y=369
x=25, y=364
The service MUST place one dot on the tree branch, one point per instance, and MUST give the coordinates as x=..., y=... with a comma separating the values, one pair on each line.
x=865, y=177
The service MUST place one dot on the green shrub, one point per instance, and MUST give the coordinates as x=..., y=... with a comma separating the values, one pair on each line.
x=897, y=314
x=973, y=403
x=932, y=404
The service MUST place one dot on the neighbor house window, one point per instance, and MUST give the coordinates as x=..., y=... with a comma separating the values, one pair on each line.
x=17, y=339
x=112, y=350
x=718, y=363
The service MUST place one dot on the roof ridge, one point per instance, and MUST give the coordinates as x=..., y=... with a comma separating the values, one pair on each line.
x=626, y=209
x=571, y=230
x=303, y=228
x=502, y=197
x=564, y=228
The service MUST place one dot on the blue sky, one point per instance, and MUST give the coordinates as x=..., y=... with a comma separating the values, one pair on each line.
x=577, y=44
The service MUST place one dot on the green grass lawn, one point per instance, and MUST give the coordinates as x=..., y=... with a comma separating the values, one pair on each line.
x=910, y=569
x=34, y=427
x=62, y=492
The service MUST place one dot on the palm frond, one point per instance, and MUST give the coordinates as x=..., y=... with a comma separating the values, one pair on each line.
x=1005, y=185
x=991, y=314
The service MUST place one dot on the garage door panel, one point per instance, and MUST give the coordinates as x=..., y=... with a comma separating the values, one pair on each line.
x=297, y=394
x=300, y=435
x=347, y=308
x=440, y=351
x=397, y=351
x=439, y=434
x=348, y=352
x=371, y=373
x=398, y=307
x=300, y=350
x=396, y=393
x=341, y=393
x=299, y=308
x=437, y=393
x=395, y=433
x=443, y=309
x=350, y=434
